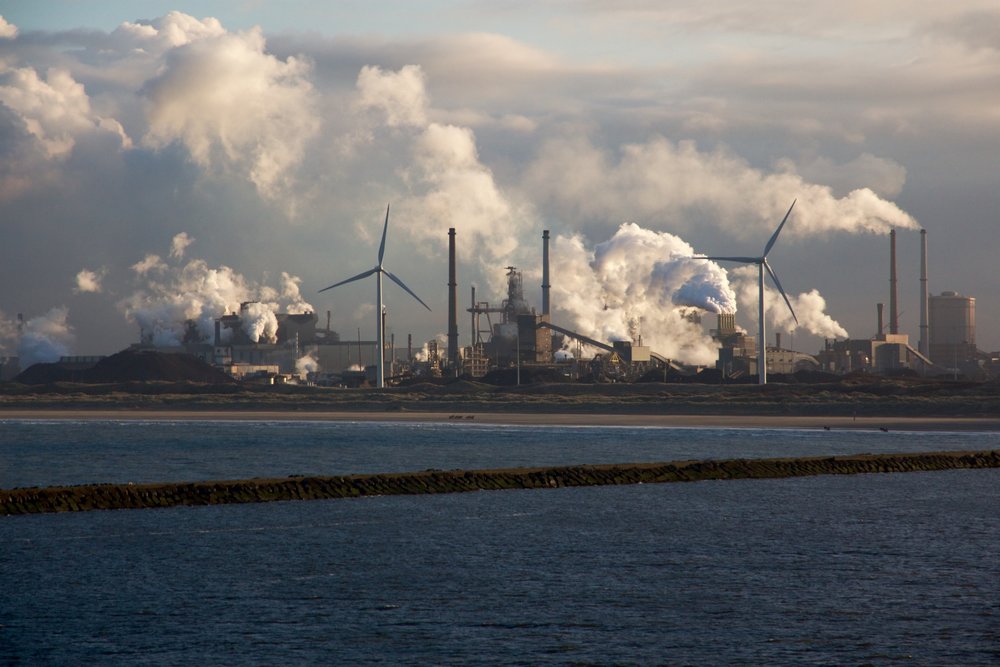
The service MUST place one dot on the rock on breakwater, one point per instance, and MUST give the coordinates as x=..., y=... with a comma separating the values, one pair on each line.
x=36, y=500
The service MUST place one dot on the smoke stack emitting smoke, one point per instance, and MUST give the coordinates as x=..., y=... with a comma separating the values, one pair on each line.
x=638, y=280
x=195, y=292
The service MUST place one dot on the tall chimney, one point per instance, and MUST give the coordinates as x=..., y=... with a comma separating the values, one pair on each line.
x=545, y=272
x=880, y=307
x=475, y=334
x=924, y=339
x=893, y=312
x=452, y=305
x=777, y=340
x=328, y=320
x=409, y=347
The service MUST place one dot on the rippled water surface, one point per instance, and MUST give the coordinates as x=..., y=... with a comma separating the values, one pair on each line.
x=80, y=452
x=835, y=570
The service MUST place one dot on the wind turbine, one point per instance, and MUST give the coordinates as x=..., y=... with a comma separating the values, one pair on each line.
x=762, y=265
x=379, y=270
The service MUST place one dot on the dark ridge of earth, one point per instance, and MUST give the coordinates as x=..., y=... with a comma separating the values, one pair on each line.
x=139, y=496
x=129, y=366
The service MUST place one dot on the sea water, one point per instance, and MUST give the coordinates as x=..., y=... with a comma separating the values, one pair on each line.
x=831, y=570
x=58, y=452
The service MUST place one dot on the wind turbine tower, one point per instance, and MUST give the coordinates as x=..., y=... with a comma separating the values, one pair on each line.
x=762, y=265
x=379, y=271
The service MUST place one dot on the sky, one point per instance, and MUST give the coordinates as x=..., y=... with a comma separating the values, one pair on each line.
x=164, y=162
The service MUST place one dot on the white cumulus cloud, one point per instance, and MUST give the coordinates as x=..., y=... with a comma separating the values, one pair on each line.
x=7, y=30
x=89, y=281
x=55, y=109
x=234, y=107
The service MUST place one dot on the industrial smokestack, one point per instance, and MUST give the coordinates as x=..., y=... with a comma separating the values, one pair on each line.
x=473, y=334
x=880, y=307
x=777, y=340
x=452, y=305
x=893, y=312
x=545, y=272
x=923, y=344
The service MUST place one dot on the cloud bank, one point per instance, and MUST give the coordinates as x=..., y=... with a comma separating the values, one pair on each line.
x=278, y=152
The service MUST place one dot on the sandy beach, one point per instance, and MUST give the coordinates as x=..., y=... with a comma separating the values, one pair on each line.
x=532, y=419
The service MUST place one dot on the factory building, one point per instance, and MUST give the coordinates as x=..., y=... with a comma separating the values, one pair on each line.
x=517, y=337
x=738, y=352
x=952, y=329
x=737, y=349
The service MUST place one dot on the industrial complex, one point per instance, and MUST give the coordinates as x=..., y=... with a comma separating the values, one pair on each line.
x=509, y=341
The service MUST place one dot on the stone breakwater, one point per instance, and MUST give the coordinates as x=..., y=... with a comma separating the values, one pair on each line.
x=137, y=496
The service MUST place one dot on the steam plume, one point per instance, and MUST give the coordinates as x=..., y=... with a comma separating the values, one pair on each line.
x=809, y=306
x=641, y=282
x=183, y=302
x=450, y=185
x=662, y=179
x=306, y=364
x=45, y=338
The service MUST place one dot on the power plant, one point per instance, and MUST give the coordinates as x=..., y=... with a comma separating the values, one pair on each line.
x=947, y=334
x=510, y=338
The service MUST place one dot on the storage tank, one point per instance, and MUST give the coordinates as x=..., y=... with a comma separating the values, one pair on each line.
x=952, y=323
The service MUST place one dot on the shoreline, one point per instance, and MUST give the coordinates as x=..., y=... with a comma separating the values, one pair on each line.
x=832, y=422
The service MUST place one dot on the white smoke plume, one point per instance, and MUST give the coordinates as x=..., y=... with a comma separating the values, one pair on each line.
x=641, y=282
x=424, y=353
x=89, y=281
x=450, y=185
x=184, y=301
x=661, y=179
x=563, y=355
x=289, y=296
x=259, y=322
x=45, y=338
x=306, y=364
x=809, y=306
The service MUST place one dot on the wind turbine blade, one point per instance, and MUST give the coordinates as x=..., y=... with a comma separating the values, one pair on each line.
x=743, y=260
x=385, y=228
x=774, y=236
x=351, y=280
x=409, y=291
x=777, y=284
